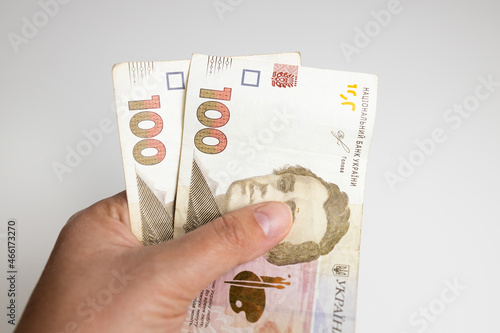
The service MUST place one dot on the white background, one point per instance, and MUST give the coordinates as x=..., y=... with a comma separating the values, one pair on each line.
x=437, y=223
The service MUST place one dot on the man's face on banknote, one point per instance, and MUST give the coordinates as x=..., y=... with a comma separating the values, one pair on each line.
x=305, y=195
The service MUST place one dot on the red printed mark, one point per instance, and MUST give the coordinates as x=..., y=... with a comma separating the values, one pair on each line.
x=285, y=76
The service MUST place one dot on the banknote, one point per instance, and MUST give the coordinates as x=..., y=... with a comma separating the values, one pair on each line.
x=270, y=131
x=149, y=98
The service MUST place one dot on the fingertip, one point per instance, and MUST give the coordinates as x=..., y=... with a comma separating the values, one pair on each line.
x=274, y=218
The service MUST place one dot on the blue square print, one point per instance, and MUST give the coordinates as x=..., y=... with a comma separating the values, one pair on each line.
x=175, y=81
x=250, y=78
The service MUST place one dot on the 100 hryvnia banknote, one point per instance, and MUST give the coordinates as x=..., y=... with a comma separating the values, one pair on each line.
x=261, y=131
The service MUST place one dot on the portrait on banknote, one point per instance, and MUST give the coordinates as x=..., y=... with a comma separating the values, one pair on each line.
x=319, y=209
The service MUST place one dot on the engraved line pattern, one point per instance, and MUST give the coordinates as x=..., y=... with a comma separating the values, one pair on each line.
x=140, y=70
x=157, y=224
x=202, y=207
x=216, y=65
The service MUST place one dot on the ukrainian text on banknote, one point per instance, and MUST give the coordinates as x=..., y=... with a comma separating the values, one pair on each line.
x=149, y=100
x=266, y=131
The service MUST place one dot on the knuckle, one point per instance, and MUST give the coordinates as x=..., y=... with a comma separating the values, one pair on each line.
x=71, y=224
x=230, y=229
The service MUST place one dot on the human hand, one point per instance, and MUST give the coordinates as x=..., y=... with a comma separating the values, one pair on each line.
x=99, y=278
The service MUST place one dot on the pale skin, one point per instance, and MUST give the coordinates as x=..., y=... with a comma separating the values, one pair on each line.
x=99, y=278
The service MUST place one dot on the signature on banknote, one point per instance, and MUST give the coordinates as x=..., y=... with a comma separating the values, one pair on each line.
x=339, y=136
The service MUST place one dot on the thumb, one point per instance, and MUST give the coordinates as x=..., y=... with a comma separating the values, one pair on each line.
x=201, y=256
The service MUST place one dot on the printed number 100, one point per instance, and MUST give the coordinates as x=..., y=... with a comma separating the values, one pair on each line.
x=212, y=123
x=147, y=135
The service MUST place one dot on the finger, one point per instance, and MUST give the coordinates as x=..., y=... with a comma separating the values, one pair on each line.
x=116, y=207
x=206, y=253
x=105, y=223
